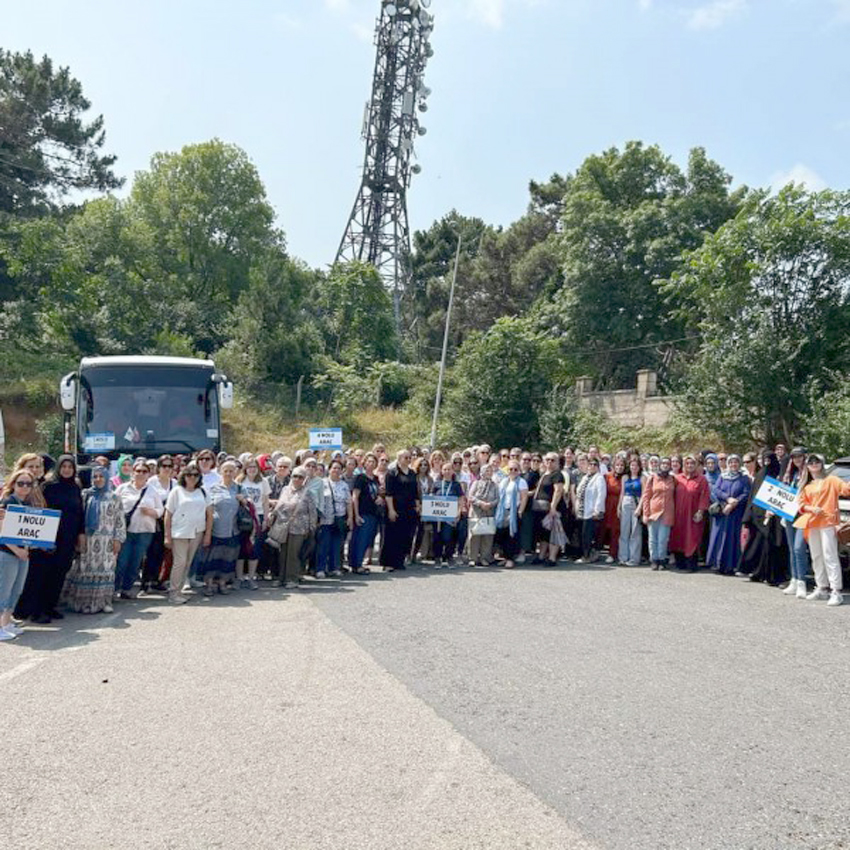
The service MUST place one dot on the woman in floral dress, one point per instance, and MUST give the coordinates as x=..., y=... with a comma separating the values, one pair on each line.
x=91, y=582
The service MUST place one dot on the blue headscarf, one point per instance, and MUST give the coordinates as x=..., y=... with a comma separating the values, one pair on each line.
x=713, y=477
x=94, y=499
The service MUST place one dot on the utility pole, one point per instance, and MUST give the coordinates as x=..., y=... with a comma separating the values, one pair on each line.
x=445, y=347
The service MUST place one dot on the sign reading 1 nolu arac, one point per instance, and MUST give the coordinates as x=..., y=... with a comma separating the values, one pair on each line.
x=322, y=439
x=32, y=527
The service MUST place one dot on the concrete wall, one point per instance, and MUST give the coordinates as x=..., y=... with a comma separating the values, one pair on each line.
x=635, y=408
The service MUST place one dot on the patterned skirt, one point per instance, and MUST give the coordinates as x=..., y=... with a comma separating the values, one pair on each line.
x=220, y=557
x=91, y=580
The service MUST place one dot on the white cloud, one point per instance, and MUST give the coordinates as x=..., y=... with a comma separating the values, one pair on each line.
x=800, y=174
x=714, y=14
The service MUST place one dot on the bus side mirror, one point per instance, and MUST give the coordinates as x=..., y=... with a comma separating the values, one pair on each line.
x=225, y=394
x=68, y=391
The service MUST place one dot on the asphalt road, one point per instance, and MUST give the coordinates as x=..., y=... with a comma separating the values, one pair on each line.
x=571, y=708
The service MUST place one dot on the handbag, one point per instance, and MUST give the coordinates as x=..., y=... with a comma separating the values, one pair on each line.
x=244, y=519
x=129, y=515
x=278, y=534
x=481, y=526
x=541, y=506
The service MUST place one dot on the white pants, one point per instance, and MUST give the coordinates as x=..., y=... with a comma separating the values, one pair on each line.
x=823, y=544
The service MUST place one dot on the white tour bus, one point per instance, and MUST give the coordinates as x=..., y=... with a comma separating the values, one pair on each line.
x=143, y=406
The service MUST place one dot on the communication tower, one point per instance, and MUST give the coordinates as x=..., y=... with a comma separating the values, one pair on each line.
x=378, y=230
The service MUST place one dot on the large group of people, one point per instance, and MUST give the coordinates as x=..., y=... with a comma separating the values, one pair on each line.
x=205, y=524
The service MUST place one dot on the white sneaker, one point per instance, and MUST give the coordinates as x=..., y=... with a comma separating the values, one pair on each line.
x=520, y=559
x=4, y=635
x=320, y=574
x=791, y=590
x=580, y=561
x=802, y=588
x=13, y=629
x=817, y=594
x=609, y=560
x=835, y=598
x=291, y=585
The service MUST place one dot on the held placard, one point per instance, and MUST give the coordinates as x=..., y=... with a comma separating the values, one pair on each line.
x=326, y=438
x=778, y=498
x=33, y=527
x=439, y=508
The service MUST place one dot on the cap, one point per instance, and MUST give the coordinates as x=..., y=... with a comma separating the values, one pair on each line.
x=798, y=450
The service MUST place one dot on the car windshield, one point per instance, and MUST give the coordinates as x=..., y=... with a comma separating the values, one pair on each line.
x=155, y=408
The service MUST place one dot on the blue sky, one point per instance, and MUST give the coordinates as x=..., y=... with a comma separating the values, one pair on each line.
x=521, y=89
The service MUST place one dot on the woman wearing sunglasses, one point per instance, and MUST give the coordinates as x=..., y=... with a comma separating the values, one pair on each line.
x=14, y=560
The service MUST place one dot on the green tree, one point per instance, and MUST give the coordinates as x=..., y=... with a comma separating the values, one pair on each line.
x=207, y=209
x=47, y=149
x=626, y=218
x=499, y=381
x=357, y=314
x=769, y=298
x=274, y=336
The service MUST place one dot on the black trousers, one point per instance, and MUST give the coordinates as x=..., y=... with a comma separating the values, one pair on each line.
x=398, y=538
x=588, y=536
x=45, y=580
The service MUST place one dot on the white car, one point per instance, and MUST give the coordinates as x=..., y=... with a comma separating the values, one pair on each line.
x=841, y=468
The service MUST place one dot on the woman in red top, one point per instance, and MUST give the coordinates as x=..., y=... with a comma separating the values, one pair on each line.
x=692, y=498
x=610, y=531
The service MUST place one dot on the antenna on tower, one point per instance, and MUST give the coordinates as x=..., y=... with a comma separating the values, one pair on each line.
x=378, y=232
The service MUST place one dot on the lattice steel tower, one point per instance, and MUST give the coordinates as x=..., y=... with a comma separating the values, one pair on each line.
x=378, y=231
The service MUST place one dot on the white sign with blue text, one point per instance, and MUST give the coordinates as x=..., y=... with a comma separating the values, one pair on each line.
x=778, y=498
x=104, y=442
x=439, y=508
x=33, y=527
x=325, y=438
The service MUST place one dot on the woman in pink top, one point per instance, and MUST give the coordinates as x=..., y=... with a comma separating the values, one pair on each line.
x=659, y=511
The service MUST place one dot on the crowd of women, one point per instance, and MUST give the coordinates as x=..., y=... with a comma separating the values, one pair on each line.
x=182, y=525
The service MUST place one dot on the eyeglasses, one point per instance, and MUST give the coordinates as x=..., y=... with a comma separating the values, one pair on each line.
x=143, y=471
x=457, y=462
x=294, y=477
x=166, y=466
x=205, y=460
x=23, y=483
x=192, y=475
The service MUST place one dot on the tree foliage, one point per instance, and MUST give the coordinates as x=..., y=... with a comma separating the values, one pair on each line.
x=626, y=218
x=47, y=148
x=500, y=379
x=768, y=295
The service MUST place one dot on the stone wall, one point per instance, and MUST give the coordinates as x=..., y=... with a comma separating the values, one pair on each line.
x=635, y=408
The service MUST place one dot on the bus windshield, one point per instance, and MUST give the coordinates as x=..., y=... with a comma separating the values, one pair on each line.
x=152, y=408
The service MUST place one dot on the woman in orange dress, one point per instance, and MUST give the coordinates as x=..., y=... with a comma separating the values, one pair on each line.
x=610, y=532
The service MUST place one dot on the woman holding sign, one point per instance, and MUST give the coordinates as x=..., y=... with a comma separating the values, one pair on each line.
x=445, y=535
x=819, y=518
x=14, y=559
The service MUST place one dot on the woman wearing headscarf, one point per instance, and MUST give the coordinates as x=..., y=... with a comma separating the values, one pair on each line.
x=691, y=501
x=730, y=493
x=44, y=584
x=219, y=558
x=91, y=583
x=819, y=518
x=513, y=498
x=796, y=475
x=712, y=475
x=125, y=471
x=766, y=556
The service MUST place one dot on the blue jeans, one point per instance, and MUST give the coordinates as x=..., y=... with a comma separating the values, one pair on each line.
x=362, y=538
x=798, y=552
x=631, y=533
x=329, y=549
x=130, y=559
x=13, y=574
x=659, y=534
